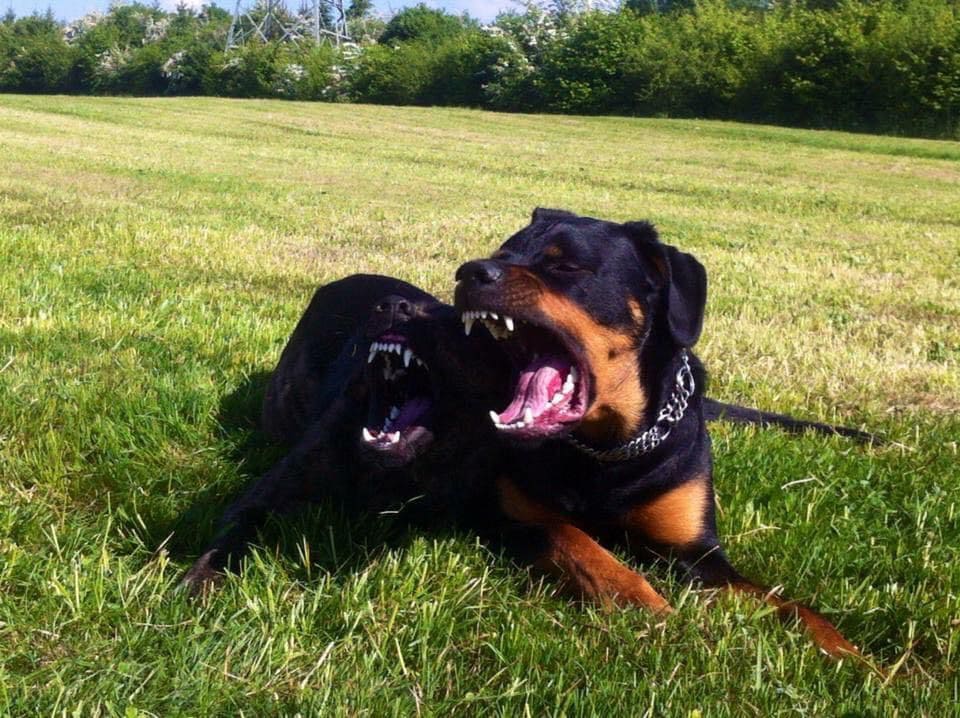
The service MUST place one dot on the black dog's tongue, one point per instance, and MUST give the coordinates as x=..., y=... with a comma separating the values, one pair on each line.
x=410, y=412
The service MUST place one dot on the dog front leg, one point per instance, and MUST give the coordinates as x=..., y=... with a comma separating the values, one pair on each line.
x=293, y=482
x=556, y=547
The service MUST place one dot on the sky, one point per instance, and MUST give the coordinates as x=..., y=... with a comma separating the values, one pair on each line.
x=72, y=9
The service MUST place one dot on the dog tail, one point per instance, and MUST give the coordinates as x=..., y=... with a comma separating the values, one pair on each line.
x=714, y=410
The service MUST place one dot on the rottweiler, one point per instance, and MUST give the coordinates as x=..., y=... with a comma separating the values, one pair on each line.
x=382, y=398
x=607, y=414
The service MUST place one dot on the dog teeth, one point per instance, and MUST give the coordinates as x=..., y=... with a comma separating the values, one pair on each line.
x=367, y=436
x=528, y=415
x=394, y=437
x=557, y=398
x=388, y=349
x=491, y=322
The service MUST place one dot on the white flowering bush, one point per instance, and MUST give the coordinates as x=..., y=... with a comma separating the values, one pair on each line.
x=154, y=30
x=288, y=79
x=111, y=62
x=73, y=31
x=172, y=69
x=337, y=86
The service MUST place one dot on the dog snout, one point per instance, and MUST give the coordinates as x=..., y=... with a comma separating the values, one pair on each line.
x=480, y=271
x=394, y=310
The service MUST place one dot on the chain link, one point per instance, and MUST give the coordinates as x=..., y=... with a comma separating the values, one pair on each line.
x=670, y=414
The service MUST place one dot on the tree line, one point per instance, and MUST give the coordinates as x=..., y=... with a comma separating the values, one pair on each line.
x=877, y=65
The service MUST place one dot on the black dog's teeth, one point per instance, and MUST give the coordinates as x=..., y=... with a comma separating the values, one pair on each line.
x=388, y=349
x=491, y=320
x=374, y=437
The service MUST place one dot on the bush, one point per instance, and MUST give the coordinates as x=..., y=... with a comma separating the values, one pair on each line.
x=884, y=66
x=248, y=71
x=393, y=75
x=421, y=24
x=34, y=57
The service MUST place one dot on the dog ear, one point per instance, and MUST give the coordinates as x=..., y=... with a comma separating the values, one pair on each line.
x=686, y=296
x=541, y=214
x=642, y=233
x=685, y=280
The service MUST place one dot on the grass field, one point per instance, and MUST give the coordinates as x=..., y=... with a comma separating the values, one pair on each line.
x=154, y=256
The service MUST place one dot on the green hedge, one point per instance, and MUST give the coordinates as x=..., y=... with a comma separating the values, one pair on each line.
x=886, y=65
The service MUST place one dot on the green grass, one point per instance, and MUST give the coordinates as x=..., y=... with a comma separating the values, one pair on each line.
x=154, y=256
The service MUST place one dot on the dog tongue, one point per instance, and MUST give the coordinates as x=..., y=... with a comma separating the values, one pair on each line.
x=411, y=410
x=537, y=384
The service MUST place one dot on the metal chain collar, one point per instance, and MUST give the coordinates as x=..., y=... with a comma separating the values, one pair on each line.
x=670, y=415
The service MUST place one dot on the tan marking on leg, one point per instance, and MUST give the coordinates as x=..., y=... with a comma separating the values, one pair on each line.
x=582, y=565
x=823, y=633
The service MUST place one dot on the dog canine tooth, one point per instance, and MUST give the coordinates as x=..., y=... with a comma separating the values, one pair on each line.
x=394, y=437
x=495, y=418
x=528, y=416
x=367, y=436
x=508, y=322
x=468, y=320
x=407, y=356
x=573, y=375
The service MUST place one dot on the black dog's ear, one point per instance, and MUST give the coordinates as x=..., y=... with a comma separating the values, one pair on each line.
x=642, y=233
x=541, y=214
x=686, y=296
x=685, y=280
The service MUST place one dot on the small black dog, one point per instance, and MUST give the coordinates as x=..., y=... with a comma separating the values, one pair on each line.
x=382, y=397
x=607, y=412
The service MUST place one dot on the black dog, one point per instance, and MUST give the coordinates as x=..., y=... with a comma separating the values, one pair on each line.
x=598, y=319
x=382, y=397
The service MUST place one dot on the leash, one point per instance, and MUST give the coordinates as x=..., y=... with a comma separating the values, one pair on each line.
x=669, y=416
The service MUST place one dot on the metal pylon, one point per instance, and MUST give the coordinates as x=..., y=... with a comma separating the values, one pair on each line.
x=264, y=20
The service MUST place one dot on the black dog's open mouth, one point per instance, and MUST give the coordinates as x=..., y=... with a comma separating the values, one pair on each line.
x=400, y=401
x=551, y=379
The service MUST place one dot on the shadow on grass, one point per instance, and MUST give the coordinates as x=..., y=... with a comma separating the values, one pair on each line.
x=339, y=539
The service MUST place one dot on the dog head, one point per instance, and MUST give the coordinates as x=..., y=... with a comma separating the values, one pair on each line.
x=426, y=382
x=585, y=309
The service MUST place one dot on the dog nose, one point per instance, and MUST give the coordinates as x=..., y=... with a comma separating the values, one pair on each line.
x=480, y=271
x=398, y=309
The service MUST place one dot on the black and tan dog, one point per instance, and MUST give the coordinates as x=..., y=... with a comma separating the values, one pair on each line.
x=599, y=320
x=382, y=398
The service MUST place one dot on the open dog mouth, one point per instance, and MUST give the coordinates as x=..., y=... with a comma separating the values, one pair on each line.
x=401, y=399
x=551, y=382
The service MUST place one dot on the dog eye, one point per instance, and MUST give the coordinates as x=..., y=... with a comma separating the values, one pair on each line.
x=565, y=267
